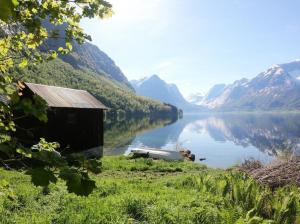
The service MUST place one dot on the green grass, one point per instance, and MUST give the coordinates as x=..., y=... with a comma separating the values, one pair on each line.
x=147, y=191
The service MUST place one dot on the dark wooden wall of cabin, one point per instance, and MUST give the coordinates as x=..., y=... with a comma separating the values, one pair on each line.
x=76, y=128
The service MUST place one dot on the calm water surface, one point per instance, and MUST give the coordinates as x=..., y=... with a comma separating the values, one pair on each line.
x=223, y=139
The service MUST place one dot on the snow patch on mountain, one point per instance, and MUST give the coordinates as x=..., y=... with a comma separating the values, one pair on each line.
x=276, y=88
x=196, y=98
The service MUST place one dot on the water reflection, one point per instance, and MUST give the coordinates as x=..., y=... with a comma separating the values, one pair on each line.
x=119, y=135
x=271, y=133
x=224, y=139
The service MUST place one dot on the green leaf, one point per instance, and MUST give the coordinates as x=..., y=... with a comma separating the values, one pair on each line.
x=4, y=138
x=7, y=9
x=69, y=46
x=6, y=149
x=23, y=64
x=41, y=177
x=25, y=152
x=93, y=165
x=53, y=55
x=60, y=49
x=77, y=182
x=4, y=183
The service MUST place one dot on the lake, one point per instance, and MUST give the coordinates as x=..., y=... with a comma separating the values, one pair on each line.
x=223, y=139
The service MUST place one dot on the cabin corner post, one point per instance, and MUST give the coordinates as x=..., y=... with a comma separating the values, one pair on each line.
x=101, y=131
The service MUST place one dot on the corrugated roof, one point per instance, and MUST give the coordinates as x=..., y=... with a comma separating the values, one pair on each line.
x=64, y=97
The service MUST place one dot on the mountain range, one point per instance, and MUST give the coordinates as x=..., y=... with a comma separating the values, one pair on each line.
x=86, y=56
x=155, y=88
x=277, y=88
x=89, y=68
x=195, y=98
x=89, y=56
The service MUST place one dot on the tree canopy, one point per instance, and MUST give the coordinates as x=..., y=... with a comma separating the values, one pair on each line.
x=22, y=33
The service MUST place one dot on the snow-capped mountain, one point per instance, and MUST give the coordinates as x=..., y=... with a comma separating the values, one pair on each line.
x=203, y=99
x=196, y=98
x=156, y=88
x=215, y=91
x=277, y=88
x=293, y=68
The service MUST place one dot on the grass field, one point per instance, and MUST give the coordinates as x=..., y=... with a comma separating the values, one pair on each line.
x=147, y=191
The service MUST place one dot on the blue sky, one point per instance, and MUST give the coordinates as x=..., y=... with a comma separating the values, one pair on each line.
x=198, y=43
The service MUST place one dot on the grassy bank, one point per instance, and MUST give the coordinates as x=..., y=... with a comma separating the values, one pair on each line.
x=146, y=191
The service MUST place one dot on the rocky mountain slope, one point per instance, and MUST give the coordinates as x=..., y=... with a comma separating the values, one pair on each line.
x=86, y=56
x=277, y=88
x=89, y=56
x=156, y=88
x=123, y=103
x=89, y=68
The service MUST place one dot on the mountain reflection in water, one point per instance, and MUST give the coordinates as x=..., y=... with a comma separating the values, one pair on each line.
x=223, y=139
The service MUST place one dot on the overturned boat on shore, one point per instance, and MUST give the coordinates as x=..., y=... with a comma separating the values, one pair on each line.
x=162, y=154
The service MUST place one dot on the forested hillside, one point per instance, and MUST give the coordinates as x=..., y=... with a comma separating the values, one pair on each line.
x=91, y=57
x=85, y=56
x=87, y=67
x=122, y=101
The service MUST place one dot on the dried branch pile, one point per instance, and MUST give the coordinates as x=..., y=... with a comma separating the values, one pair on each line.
x=274, y=175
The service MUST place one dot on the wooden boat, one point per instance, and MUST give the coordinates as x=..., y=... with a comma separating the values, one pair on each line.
x=157, y=154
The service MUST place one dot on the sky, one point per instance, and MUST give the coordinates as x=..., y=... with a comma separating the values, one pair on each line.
x=198, y=43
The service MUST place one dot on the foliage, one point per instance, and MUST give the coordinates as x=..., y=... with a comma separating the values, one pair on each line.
x=159, y=194
x=89, y=56
x=26, y=29
x=108, y=91
x=46, y=165
x=22, y=33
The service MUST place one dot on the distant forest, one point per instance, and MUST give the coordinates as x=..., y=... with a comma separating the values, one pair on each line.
x=122, y=101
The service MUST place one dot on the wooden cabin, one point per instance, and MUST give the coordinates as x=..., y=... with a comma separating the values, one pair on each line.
x=75, y=118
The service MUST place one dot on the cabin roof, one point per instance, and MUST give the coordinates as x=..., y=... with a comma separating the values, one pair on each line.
x=65, y=97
